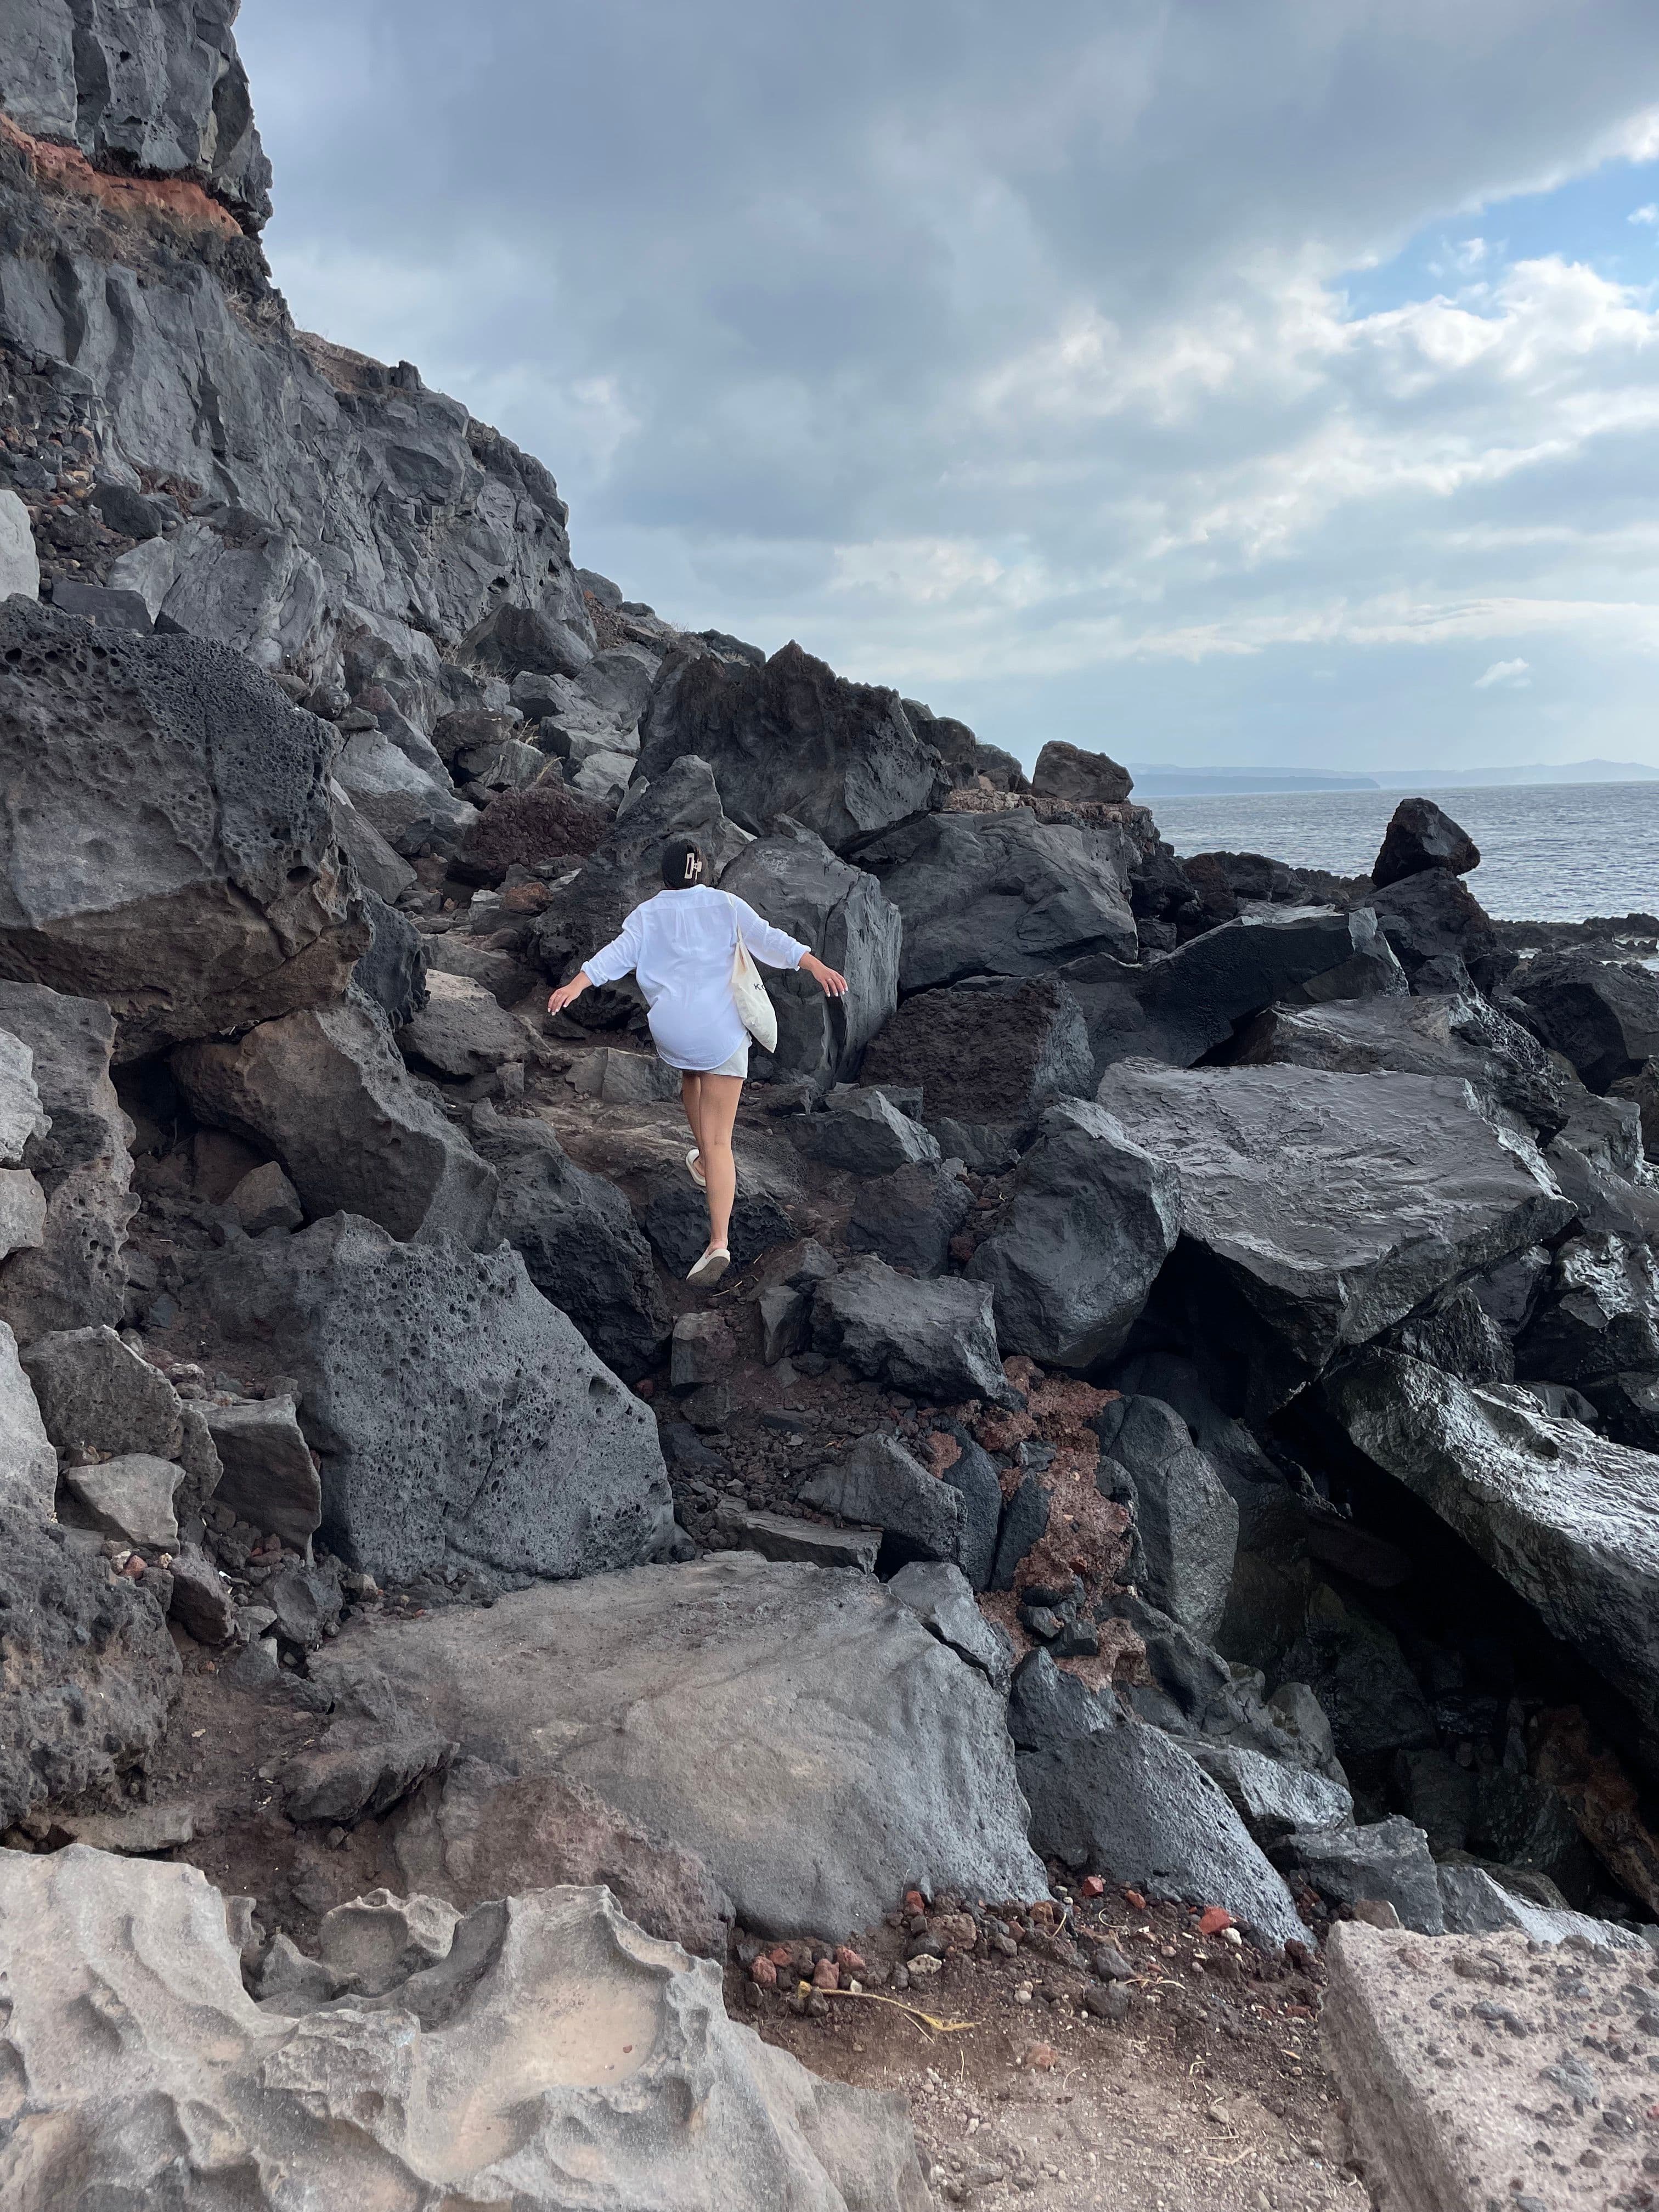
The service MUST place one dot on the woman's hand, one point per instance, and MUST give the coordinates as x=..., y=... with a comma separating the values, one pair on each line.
x=833, y=981
x=567, y=992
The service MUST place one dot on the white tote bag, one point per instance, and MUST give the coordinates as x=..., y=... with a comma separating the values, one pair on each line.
x=755, y=1009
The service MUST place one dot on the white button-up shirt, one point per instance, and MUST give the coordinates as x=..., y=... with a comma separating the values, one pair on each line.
x=680, y=947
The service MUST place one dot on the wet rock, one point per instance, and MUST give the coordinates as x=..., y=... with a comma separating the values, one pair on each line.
x=908, y=1217
x=1444, y=1034
x=934, y=1339
x=579, y=1241
x=672, y=1684
x=129, y=1497
x=327, y=1092
x=840, y=914
x=461, y=1032
x=1063, y=771
x=992, y=1054
x=1599, y=1315
x=1126, y=1802
x=79, y=1273
x=1317, y=1210
x=860, y=1132
x=511, y=1446
x=1602, y=1015
x=1001, y=894
x=1178, y=1008
x=1642, y=1089
x=1089, y=1220
x=878, y=1484
x=1186, y=1526
x=1419, y=836
x=1597, y=1160
x=1563, y=1515
x=95, y=1391
x=269, y=1480
x=1388, y=1861
x=1474, y=1905
x=240, y=910
x=1459, y=1336
x=1439, y=933
x=790, y=738
x=641, y=2081
x=1272, y=1800
x=937, y=1593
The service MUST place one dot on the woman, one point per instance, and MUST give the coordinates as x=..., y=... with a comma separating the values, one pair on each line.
x=680, y=946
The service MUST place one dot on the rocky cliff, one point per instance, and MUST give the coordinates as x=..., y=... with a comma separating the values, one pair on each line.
x=1173, y=1465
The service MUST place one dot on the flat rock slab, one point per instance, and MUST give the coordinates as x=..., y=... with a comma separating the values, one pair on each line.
x=542, y=2051
x=797, y=1728
x=1470, y=2077
x=1318, y=1209
x=1569, y=1519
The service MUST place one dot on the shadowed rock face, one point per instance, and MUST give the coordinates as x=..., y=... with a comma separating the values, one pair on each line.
x=1419, y=837
x=792, y=738
x=1316, y=1209
x=485, y=2057
x=168, y=846
x=511, y=1446
x=1602, y=1015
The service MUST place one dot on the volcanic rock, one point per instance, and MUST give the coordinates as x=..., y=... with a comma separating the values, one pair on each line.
x=937, y=1593
x=1439, y=931
x=1316, y=1210
x=1000, y=895
x=1420, y=836
x=1090, y=1218
x=674, y=1688
x=265, y=1199
x=1185, y=1525
x=862, y=1133
x=327, y=1092
x=909, y=1217
x=1273, y=1800
x=1063, y=771
x=1602, y=1015
x=270, y=1479
x=987, y=1054
x=239, y=910
x=879, y=1485
x=461, y=1032
x=1599, y=1314
x=933, y=1340
x=460, y=1417
x=528, y=829
x=1388, y=1861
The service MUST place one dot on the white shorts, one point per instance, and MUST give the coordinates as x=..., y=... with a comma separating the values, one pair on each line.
x=738, y=1065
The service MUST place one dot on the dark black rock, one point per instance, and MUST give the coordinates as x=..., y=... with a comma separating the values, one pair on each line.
x=1048, y=1707
x=126, y=510
x=879, y=1485
x=392, y=972
x=1181, y=1008
x=861, y=1132
x=972, y=1474
x=1420, y=836
x=1354, y=1666
x=579, y=1241
x=1002, y=894
x=107, y=609
x=1063, y=771
x=1089, y=1220
x=1388, y=1861
x=1440, y=932
x=992, y=1053
x=1602, y=1015
x=908, y=1217
x=1025, y=1522
x=936, y=1341
x=1600, y=1313
x=1186, y=1526
x=790, y=738
x=1460, y=1337
x=513, y=638
x=677, y=1223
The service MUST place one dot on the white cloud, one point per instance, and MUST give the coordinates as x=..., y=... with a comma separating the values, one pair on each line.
x=1649, y=214
x=1505, y=676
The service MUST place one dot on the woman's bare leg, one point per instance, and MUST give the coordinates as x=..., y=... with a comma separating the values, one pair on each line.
x=691, y=1099
x=717, y=1110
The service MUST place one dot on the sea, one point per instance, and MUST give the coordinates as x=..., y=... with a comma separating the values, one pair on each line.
x=1548, y=852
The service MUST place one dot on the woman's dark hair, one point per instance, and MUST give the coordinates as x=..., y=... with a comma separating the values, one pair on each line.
x=682, y=863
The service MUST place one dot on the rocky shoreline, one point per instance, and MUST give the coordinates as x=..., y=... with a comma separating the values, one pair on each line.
x=1173, y=1472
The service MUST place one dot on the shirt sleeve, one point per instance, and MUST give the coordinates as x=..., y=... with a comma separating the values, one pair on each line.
x=618, y=958
x=768, y=945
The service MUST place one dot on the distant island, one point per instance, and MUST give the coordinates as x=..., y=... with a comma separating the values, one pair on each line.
x=1159, y=780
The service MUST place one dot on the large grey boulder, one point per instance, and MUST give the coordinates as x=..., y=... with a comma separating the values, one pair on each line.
x=994, y=1053
x=863, y=1133
x=411, y=807
x=536, y=2039
x=840, y=913
x=94, y=1391
x=790, y=738
x=326, y=1091
x=129, y=1497
x=1440, y=1034
x=461, y=1032
x=1387, y=1861
x=1125, y=1801
x=1568, y=1519
x=910, y=1218
x=1439, y=931
x=878, y=1484
x=1273, y=1798
x=1599, y=1314
x=1185, y=1525
x=1316, y=1210
x=1180, y=1008
x=1063, y=771
x=1089, y=1217
x=20, y=1118
x=674, y=1688
x=935, y=1339
x=460, y=1417
x=270, y=1479
x=78, y=1274
x=223, y=899
x=1001, y=894
x=1602, y=1015
x=579, y=1241
x=1421, y=835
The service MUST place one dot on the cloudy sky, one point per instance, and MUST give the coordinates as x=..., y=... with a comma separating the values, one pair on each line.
x=1210, y=381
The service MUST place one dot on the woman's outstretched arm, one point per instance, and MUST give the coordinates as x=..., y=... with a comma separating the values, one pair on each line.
x=778, y=949
x=608, y=965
